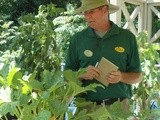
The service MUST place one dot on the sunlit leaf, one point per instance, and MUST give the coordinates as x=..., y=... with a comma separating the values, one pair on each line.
x=7, y=24
x=26, y=87
x=11, y=75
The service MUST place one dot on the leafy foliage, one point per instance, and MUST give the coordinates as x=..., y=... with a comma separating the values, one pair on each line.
x=41, y=39
x=7, y=34
x=32, y=85
x=39, y=99
x=36, y=40
x=13, y=9
x=149, y=88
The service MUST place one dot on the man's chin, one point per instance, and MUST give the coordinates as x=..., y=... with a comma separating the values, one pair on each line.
x=92, y=25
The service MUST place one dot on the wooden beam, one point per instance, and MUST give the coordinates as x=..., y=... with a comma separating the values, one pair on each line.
x=135, y=2
x=133, y=15
x=153, y=1
x=155, y=11
x=129, y=23
x=155, y=37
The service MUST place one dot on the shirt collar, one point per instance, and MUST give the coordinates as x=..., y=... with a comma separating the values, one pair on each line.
x=113, y=31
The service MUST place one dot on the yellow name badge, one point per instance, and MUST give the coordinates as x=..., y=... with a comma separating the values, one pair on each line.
x=119, y=49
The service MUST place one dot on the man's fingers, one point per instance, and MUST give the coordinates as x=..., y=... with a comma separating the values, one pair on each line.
x=114, y=77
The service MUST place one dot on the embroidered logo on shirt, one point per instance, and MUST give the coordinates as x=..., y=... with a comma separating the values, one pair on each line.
x=119, y=49
x=88, y=53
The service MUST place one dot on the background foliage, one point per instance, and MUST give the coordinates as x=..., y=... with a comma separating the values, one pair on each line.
x=13, y=9
x=32, y=48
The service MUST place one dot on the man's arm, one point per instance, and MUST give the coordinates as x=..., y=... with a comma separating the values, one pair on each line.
x=113, y=77
x=131, y=78
x=125, y=77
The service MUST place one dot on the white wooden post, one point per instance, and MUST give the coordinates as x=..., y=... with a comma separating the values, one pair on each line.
x=116, y=17
x=149, y=22
x=144, y=16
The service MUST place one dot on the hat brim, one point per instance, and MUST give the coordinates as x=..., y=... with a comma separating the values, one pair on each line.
x=112, y=8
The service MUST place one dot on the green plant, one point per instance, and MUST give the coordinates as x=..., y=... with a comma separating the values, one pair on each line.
x=7, y=34
x=36, y=41
x=30, y=70
x=148, y=89
x=28, y=98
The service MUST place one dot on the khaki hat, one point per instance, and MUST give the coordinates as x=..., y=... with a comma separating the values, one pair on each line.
x=92, y=4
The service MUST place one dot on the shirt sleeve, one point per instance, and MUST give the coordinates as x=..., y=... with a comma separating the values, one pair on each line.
x=134, y=64
x=72, y=56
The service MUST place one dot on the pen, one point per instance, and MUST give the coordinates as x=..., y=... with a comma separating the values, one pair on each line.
x=96, y=64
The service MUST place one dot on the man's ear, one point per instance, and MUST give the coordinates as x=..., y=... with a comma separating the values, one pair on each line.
x=106, y=9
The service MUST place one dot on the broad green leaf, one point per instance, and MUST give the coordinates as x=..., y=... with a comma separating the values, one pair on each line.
x=81, y=115
x=36, y=85
x=43, y=115
x=57, y=107
x=8, y=108
x=26, y=88
x=16, y=81
x=28, y=117
x=117, y=112
x=81, y=102
x=52, y=79
x=47, y=78
x=100, y=113
x=56, y=86
x=70, y=75
x=87, y=109
x=28, y=113
x=11, y=75
x=78, y=89
x=32, y=76
x=45, y=95
x=24, y=99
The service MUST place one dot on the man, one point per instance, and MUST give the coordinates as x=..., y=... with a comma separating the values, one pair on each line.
x=105, y=39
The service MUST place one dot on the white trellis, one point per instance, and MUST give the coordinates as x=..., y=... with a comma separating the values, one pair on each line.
x=143, y=12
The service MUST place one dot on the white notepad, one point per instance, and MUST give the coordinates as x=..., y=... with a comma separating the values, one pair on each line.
x=106, y=67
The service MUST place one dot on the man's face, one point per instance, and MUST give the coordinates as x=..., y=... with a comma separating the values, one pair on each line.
x=96, y=17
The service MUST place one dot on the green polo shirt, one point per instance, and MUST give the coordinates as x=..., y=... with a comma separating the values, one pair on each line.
x=118, y=45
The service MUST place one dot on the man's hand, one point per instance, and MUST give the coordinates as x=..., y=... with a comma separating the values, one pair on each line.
x=125, y=77
x=114, y=77
x=91, y=72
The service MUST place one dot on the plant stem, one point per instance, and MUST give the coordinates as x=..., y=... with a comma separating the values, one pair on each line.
x=61, y=117
x=19, y=110
x=64, y=98
x=17, y=113
x=5, y=117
